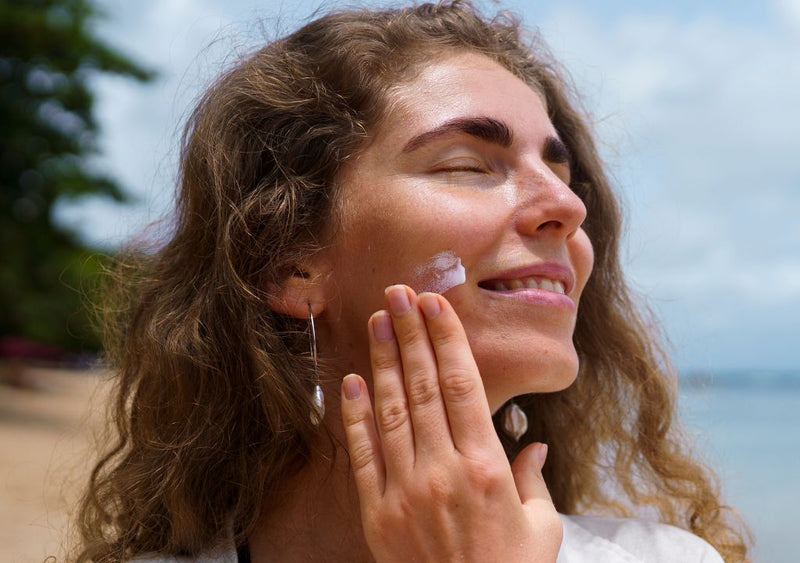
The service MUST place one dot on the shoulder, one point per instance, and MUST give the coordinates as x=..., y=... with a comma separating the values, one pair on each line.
x=629, y=540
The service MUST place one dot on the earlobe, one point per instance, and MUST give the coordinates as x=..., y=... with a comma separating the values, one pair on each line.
x=299, y=291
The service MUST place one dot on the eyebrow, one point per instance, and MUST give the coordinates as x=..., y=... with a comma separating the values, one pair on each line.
x=484, y=128
x=492, y=131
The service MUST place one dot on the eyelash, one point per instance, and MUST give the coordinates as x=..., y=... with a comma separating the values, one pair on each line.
x=450, y=169
x=473, y=167
x=444, y=168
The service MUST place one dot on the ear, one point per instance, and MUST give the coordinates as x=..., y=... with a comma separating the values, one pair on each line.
x=302, y=289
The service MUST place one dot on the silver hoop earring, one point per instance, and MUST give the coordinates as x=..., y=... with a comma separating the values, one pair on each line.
x=514, y=421
x=317, y=397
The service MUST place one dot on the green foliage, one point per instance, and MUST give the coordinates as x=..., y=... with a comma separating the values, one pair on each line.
x=47, y=131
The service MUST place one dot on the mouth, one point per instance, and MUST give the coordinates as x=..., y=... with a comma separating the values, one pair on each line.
x=529, y=282
x=546, y=277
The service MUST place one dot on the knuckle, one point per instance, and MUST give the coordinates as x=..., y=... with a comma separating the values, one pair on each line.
x=486, y=474
x=439, y=489
x=352, y=418
x=384, y=362
x=448, y=338
x=393, y=415
x=362, y=455
x=458, y=383
x=423, y=390
x=412, y=337
x=382, y=524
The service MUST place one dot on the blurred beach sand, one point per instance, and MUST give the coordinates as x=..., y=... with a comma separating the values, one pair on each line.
x=47, y=445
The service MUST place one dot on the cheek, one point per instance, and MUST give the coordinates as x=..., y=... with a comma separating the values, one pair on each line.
x=441, y=273
x=377, y=247
x=414, y=238
x=582, y=256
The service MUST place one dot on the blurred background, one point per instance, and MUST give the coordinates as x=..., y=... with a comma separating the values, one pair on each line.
x=696, y=109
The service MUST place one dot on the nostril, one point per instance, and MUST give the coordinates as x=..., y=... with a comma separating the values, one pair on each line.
x=547, y=225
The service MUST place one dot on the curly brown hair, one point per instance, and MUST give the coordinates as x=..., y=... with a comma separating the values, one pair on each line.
x=211, y=410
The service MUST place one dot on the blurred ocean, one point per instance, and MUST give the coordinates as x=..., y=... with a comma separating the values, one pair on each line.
x=747, y=425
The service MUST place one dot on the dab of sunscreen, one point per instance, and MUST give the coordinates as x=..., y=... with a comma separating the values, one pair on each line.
x=442, y=273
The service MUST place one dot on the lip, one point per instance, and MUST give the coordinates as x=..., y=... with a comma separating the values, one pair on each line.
x=550, y=270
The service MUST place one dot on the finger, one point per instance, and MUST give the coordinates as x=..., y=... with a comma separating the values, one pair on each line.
x=392, y=416
x=527, y=470
x=363, y=444
x=420, y=372
x=536, y=500
x=460, y=382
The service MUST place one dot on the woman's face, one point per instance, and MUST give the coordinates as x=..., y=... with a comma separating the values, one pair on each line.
x=465, y=165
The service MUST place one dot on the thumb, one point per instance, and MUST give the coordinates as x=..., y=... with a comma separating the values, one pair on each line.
x=527, y=470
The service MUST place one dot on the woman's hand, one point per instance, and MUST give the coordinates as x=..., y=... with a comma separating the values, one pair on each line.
x=434, y=483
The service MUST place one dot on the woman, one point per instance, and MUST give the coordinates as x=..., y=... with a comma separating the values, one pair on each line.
x=409, y=197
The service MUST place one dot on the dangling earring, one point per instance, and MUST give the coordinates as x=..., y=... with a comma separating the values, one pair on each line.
x=318, y=397
x=514, y=421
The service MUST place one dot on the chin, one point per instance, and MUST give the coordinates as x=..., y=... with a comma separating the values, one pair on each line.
x=554, y=371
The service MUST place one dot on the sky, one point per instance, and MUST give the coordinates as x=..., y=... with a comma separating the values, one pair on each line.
x=696, y=111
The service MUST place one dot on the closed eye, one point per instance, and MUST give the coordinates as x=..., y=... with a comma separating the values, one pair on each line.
x=456, y=169
x=556, y=151
x=462, y=164
x=559, y=157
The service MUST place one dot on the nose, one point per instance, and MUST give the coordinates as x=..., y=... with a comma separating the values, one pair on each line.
x=546, y=205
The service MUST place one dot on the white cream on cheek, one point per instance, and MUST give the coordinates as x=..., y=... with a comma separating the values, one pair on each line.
x=441, y=273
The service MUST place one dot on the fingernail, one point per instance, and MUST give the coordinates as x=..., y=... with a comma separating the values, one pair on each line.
x=398, y=299
x=542, y=453
x=430, y=305
x=351, y=387
x=382, y=328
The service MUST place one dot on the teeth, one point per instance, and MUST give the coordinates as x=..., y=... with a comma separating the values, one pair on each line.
x=530, y=283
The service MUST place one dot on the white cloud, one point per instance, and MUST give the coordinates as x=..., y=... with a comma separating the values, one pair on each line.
x=702, y=117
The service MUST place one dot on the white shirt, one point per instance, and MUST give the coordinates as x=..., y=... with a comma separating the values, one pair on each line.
x=629, y=540
x=587, y=539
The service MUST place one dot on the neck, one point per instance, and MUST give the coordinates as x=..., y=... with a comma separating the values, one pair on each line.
x=316, y=518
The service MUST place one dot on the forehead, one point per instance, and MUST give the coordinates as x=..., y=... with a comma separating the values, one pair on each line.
x=458, y=85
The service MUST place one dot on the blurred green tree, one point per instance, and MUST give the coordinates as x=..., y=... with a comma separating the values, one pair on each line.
x=48, y=53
